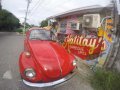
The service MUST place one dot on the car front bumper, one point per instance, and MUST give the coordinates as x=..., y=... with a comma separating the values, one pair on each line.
x=50, y=83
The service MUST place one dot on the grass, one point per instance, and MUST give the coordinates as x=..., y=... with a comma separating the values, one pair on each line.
x=105, y=80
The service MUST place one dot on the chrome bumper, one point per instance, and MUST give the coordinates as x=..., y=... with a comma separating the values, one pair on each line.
x=49, y=83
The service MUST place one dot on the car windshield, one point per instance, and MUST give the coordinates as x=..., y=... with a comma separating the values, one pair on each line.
x=40, y=35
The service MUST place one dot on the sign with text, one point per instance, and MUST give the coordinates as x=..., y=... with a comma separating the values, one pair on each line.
x=83, y=47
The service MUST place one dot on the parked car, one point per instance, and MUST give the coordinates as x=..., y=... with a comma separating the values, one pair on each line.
x=44, y=62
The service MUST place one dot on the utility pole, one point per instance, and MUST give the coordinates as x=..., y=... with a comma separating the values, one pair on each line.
x=0, y=4
x=26, y=14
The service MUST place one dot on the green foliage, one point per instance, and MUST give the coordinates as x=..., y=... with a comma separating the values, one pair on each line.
x=105, y=80
x=20, y=30
x=8, y=21
x=32, y=25
x=44, y=23
x=27, y=25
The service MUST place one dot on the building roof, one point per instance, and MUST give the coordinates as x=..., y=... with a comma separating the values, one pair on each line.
x=82, y=10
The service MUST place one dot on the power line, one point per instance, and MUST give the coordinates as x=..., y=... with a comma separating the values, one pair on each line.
x=36, y=7
x=47, y=9
x=38, y=4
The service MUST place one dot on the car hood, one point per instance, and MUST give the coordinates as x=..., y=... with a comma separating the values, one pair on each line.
x=52, y=58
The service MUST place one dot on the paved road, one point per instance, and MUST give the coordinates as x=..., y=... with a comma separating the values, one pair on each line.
x=11, y=45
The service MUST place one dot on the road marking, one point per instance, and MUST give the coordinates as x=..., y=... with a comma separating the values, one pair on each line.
x=7, y=75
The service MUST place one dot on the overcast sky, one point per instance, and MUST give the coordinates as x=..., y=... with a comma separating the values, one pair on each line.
x=41, y=9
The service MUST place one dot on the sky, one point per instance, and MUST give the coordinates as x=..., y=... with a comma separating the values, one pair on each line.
x=41, y=9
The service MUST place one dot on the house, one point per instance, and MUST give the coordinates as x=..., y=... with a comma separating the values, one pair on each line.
x=91, y=23
x=70, y=22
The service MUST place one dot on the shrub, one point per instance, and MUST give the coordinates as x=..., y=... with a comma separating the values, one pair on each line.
x=105, y=80
x=19, y=30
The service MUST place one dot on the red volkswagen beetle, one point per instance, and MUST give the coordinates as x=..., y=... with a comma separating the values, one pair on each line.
x=44, y=62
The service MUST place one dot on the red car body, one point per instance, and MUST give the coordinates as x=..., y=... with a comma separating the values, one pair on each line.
x=48, y=59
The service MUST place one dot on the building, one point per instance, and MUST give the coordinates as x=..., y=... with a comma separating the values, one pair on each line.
x=71, y=21
x=91, y=22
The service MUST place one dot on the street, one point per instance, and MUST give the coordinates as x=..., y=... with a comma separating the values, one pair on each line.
x=11, y=46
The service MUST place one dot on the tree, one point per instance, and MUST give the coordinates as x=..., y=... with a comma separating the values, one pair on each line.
x=32, y=25
x=8, y=21
x=27, y=25
x=44, y=23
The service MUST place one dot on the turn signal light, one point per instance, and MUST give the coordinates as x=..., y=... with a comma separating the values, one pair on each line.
x=27, y=54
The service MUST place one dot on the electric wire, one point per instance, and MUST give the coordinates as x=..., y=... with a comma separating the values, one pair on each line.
x=36, y=7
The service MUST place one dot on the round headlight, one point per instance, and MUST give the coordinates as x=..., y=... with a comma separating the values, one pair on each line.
x=74, y=63
x=30, y=73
